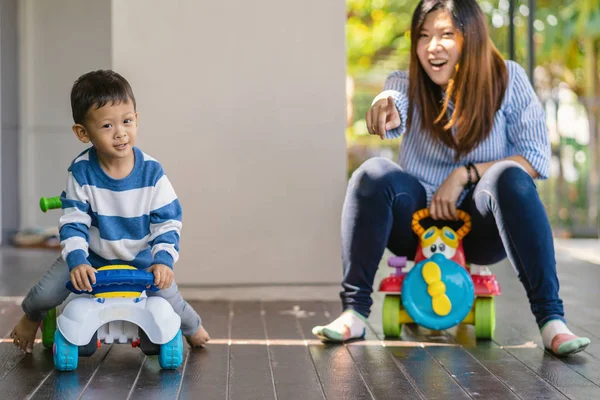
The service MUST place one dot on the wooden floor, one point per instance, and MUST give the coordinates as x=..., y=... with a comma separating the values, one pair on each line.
x=265, y=350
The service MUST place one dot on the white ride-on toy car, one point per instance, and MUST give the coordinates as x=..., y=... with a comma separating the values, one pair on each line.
x=115, y=312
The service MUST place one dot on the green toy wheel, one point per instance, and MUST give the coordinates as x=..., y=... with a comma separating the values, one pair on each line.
x=485, y=317
x=391, y=316
x=48, y=203
x=48, y=328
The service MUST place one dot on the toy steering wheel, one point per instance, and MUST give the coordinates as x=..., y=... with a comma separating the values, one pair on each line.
x=424, y=213
x=119, y=280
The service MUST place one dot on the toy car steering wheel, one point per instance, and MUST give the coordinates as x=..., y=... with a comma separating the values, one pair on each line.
x=119, y=280
x=424, y=213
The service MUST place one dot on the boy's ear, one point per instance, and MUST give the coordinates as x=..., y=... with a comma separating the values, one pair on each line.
x=137, y=118
x=81, y=133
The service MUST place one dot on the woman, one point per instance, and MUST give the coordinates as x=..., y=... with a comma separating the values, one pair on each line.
x=474, y=137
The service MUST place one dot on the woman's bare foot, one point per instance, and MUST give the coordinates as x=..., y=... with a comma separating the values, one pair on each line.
x=198, y=339
x=23, y=334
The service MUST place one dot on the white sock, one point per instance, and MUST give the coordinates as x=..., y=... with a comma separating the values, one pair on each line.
x=349, y=325
x=551, y=329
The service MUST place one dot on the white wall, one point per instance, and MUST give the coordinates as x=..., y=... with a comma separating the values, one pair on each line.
x=59, y=40
x=244, y=105
x=9, y=115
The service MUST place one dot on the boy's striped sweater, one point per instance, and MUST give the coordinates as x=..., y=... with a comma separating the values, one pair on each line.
x=135, y=220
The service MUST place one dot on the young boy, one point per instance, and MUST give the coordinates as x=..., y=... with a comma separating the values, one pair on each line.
x=118, y=208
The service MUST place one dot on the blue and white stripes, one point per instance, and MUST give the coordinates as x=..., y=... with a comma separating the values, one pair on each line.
x=135, y=220
x=519, y=129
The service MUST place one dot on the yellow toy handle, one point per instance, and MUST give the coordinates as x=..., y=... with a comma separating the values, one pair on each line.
x=424, y=213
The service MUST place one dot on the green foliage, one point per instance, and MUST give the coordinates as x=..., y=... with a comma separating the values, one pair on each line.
x=376, y=29
x=378, y=42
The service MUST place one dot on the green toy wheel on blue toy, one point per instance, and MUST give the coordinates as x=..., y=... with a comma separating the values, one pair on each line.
x=392, y=304
x=49, y=328
x=66, y=354
x=485, y=317
x=171, y=353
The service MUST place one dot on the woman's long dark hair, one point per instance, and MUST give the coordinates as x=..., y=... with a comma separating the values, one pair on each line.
x=477, y=87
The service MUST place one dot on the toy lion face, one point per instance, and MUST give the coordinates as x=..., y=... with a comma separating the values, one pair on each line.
x=439, y=240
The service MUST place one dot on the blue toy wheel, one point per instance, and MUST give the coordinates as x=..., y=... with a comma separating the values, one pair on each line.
x=66, y=354
x=445, y=301
x=171, y=353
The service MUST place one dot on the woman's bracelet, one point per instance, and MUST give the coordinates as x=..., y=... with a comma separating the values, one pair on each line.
x=469, y=182
x=476, y=171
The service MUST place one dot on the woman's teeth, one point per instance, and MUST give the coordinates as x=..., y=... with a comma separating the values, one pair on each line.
x=437, y=65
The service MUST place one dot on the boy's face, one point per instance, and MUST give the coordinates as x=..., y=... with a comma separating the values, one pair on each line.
x=112, y=129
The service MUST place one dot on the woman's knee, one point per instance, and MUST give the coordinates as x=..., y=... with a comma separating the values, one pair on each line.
x=506, y=179
x=375, y=175
x=514, y=182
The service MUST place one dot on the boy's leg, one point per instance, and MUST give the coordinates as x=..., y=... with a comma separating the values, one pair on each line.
x=191, y=324
x=48, y=293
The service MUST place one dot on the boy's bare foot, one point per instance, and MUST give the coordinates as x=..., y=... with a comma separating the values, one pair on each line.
x=23, y=334
x=198, y=339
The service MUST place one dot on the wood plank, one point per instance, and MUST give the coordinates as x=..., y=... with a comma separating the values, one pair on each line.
x=427, y=374
x=117, y=374
x=29, y=373
x=555, y=372
x=338, y=373
x=520, y=379
x=215, y=317
x=250, y=373
x=294, y=373
x=10, y=356
x=313, y=315
x=246, y=321
x=70, y=385
x=475, y=379
x=154, y=382
x=206, y=370
x=250, y=376
x=281, y=319
x=206, y=373
x=384, y=377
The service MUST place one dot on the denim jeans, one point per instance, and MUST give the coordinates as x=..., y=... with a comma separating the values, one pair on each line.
x=50, y=292
x=508, y=219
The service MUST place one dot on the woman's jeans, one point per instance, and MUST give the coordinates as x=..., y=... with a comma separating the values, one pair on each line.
x=508, y=218
x=50, y=292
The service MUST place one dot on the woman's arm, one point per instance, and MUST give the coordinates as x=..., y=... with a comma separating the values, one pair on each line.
x=389, y=110
x=483, y=167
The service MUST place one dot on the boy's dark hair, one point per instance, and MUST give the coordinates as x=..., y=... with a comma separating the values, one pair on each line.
x=97, y=88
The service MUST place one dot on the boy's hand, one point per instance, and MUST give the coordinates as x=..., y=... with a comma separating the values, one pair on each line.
x=163, y=276
x=82, y=275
